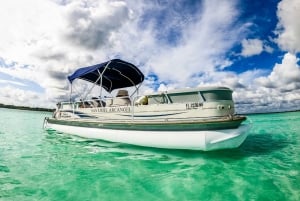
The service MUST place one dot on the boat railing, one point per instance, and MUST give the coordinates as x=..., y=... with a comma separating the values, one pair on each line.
x=98, y=102
x=89, y=103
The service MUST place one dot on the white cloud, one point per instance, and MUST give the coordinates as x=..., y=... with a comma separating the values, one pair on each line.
x=251, y=47
x=93, y=24
x=258, y=90
x=14, y=96
x=288, y=27
x=285, y=76
x=268, y=49
x=27, y=28
x=9, y=82
x=260, y=99
x=46, y=42
x=202, y=48
x=276, y=91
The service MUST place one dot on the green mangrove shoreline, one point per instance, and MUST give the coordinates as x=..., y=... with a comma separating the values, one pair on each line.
x=26, y=108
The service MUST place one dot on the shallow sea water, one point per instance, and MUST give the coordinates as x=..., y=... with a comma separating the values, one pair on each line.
x=40, y=165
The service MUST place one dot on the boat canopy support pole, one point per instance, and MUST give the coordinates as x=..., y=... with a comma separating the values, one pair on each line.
x=100, y=77
x=71, y=91
x=72, y=104
x=136, y=90
x=100, y=84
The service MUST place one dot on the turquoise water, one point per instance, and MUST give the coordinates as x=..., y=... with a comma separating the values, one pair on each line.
x=40, y=165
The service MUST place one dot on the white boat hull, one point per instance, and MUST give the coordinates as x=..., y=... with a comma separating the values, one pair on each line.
x=192, y=140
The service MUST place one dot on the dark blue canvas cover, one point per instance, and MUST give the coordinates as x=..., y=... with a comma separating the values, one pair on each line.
x=118, y=74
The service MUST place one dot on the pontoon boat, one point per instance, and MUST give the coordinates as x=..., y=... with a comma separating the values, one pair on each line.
x=196, y=119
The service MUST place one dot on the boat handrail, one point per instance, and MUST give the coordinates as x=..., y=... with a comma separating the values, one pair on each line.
x=98, y=102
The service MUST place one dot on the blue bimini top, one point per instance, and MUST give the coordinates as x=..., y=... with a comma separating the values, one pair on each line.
x=115, y=74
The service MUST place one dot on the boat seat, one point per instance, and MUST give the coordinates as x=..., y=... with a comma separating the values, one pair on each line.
x=122, y=93
x=121, y=98
x=143, y=100
x=96, y=102
x=121, y=101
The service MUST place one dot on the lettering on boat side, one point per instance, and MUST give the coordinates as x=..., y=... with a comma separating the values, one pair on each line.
x=190, y=106
x=65, y=115
x=111, y=109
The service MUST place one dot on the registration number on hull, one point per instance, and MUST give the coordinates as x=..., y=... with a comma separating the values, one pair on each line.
x=190, y=106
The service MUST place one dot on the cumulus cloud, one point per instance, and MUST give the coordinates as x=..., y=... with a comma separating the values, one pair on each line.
x=278, y=90
x=261, y=99
x=202, y=47
x=251, y=47
x=46, y=42
x=288, y=27
x=285, y=76
x=91, y=24
x=14, y=96
x=27, y=28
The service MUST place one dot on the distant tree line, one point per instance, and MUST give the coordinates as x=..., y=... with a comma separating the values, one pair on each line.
x=26, y=108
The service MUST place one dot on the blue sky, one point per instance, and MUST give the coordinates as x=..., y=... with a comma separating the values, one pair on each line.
x=251, y=46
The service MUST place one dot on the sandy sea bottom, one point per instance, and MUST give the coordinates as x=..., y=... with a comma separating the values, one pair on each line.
x=40, y=165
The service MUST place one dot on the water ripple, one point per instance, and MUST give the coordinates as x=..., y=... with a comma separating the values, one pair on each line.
x=48, y=165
